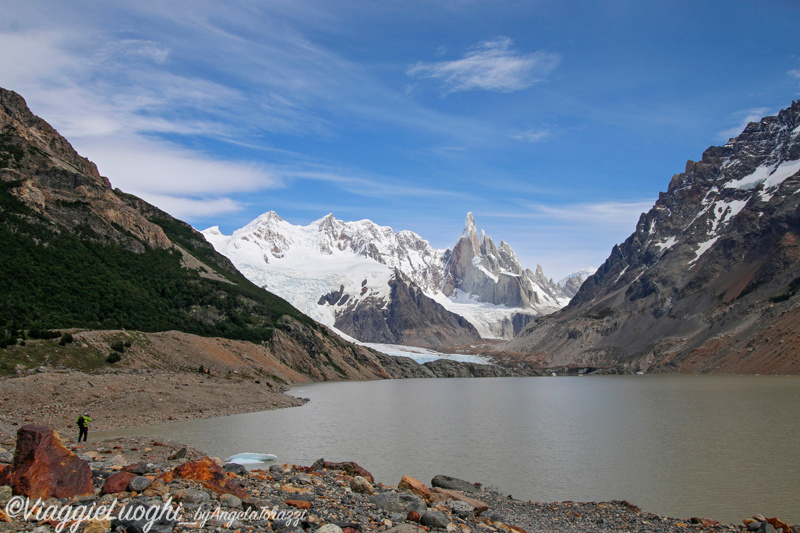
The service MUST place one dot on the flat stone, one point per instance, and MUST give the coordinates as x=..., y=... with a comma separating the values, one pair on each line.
x=299, y=504
x=442, y=495
x=453, y=483
x=191, y=496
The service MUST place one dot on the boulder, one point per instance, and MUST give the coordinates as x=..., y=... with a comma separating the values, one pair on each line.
x=415, y=486
x=780, y=525
x=117, y=482
x=349, y=467
x=434, y=519
x=399, y=502
x=44, y=468
x=139, y=484
x=453, y=483
x=209, y=474
x=6, y=457
x=239, y=470
x=361, y=485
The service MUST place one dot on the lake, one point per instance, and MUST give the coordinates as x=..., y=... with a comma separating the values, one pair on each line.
x=722, y=447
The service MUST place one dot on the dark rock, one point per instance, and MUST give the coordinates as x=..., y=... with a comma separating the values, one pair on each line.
x=44, y=468
x=453, y=483
x=434, y=519
x=399, y=502
x=180, y=454
x=239, y=470
x=139, y=484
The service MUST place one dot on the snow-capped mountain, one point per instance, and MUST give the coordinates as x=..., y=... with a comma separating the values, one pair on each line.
x=572, y=282
x=347, y=275
x=708, y=279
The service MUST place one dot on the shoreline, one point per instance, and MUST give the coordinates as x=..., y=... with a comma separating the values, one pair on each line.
x=343, y=495
x=28, y=404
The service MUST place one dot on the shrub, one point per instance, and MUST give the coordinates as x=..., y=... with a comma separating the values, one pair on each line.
x=113, y=357
x=118, y=346
x=66, y=338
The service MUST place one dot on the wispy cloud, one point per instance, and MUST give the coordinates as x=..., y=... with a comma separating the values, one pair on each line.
x=532, y=135
x=490, y=66
x=794, y=74
x=606, y=215
x=751, y=115
x=356, y=183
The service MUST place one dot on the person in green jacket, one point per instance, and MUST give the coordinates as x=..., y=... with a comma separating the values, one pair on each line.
x=83, y=426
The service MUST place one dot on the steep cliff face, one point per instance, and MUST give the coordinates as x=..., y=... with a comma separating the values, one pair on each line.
x=407, y=317
x=57, y=183
x=715, y=263
x=493, y=274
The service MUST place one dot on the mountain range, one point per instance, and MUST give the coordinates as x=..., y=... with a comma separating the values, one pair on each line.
x=708, y=281
x=379, y=286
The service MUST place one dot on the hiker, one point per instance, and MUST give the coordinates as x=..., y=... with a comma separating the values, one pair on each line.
x=83, y=426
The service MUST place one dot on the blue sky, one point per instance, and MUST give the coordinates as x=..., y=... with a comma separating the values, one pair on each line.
x=555, y=123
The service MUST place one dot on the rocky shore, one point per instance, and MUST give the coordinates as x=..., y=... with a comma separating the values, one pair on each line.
x=173, y=488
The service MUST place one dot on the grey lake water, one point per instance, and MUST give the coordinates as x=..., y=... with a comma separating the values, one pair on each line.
x=722, y=447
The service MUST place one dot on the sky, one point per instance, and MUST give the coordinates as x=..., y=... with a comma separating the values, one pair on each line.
x=555, y=123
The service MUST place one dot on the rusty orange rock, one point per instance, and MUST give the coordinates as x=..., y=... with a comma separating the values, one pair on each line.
x=44, y=468
x=415, y=486
x=117, y=482
x=206, y=472
x=777, y=523
x=350, y=468
x=300, y=504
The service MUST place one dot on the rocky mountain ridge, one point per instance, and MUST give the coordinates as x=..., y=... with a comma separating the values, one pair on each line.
x=347, y=274
x=708, y=280
x=80, y=255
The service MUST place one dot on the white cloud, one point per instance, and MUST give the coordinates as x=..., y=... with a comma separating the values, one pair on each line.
x=613, y=216
x=794, y=73
x=184, y=208
x=159, y=168
x=490, y=66
x=531, y=135
x=751, y=115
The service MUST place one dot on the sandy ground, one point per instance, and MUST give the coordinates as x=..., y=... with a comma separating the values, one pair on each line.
x=126, y=399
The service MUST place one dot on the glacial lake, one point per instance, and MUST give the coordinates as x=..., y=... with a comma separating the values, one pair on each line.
x=722, y=447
